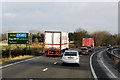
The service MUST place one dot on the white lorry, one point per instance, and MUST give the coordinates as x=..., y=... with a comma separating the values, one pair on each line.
x=55, y=42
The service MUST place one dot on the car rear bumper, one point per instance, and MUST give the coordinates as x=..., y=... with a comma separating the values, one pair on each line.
x=70, y=61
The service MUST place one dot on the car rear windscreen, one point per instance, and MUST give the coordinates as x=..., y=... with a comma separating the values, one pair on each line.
x=83, y=49
x=88, y=47
x=70, y=54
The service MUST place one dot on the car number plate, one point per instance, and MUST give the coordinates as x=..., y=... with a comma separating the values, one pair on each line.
x=52, y=52
x=83, y=52
x=70, y=57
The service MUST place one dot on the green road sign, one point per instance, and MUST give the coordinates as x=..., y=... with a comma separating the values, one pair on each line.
x=18, y=38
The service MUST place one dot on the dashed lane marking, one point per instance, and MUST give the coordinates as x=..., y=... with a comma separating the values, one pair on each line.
x=55, y=63
x=45, y=69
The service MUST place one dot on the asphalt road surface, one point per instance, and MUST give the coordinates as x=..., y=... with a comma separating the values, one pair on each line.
x=34, y=69
x=117, y=52
x=50, y=67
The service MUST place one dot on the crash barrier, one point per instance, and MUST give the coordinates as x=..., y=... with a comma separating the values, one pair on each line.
x=114, y=57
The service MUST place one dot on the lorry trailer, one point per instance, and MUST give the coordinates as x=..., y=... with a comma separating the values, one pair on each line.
x=88, y=42
x=55, y=42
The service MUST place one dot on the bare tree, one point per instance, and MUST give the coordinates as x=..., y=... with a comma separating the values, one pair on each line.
x=102, y=38
x=78, y=35
x=36, y=40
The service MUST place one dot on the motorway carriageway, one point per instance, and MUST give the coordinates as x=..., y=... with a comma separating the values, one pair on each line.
x=50, y=67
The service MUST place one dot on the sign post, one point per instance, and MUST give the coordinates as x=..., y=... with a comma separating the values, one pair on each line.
x=26, y=49
x=17, y=38
x=10, y=56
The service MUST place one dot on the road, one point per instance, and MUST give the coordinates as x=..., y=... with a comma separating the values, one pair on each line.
x=104, y=66
x=35, y=68
x=117, y=52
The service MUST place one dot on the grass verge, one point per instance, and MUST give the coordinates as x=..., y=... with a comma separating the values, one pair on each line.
x=8, y=60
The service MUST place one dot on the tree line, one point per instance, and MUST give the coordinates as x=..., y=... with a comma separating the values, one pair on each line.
x=101, y=38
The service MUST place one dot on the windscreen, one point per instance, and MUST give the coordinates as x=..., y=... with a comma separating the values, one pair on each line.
x=70, y=53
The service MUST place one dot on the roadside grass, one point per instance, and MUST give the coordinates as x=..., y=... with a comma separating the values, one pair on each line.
x=33, y=50
x=5, y=47
x=7, y=60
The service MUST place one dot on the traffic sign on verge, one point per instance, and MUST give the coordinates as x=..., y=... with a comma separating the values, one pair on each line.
x=18, y=38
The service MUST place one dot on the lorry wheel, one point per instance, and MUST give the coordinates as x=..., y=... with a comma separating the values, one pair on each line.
x=47, y=55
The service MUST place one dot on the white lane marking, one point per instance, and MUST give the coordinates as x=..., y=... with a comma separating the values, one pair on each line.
x=45, y=69
x=18, y=62
x=108, y=68
x=55, y=62
x=91, y=66
x=116, y=55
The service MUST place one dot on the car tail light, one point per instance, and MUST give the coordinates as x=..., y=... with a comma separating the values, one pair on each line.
x=77, y=57
x=80, y=50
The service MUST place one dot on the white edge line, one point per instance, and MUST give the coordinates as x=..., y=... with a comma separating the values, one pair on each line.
x=92, y=70
x=109, y=70
x=116, y=55
x=18, y=62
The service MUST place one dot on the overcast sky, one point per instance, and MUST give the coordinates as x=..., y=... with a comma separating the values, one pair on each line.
x=61, y=16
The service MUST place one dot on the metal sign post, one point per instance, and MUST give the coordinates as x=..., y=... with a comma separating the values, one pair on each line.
x=17, y=38
x=26, y=49
x=10, y=56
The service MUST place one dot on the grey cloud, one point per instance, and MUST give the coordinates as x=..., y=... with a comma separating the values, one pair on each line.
x=60, y=16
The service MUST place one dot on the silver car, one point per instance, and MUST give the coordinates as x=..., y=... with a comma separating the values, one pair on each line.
x=70, y=56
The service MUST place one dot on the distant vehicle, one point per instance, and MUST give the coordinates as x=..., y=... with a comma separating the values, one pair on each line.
x=109, y=47
x=84, y=50
x=88, y=42
x=70, y=56
x=90, y=49
x=55, y=42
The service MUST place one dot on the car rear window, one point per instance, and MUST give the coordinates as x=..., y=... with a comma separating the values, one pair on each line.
x=88, y=47
x=83, y=49
x=70, y=53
